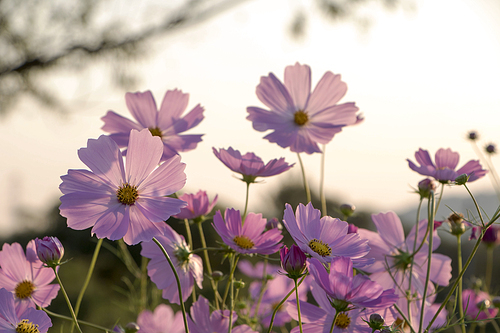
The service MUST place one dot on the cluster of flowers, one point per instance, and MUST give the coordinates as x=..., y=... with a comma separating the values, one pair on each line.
x=361, y=280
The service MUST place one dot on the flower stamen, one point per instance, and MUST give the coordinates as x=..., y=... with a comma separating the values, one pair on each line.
x=25, y=326
x=320, y=247
x=300, y=117
x=156, y=132
x=24, y=289
x=342, y=320
x=127, y=194
x=244, y=242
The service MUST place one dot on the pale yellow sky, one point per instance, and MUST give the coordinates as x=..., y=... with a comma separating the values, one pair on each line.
x=422, y=78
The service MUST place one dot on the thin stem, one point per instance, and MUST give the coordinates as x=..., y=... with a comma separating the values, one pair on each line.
x=475, y=204
x=86, y=323
x=298, y=304
x=459, y=290
x=181, y=302
x=75, y=321
x=246, y=204
x=144, y=284
x=306, y=185
x=207, y=264
x=334, y=320
x=489, y=267
x=439, y=200
x=412, y=257
x=226, y=291
x=87, y=279
x=188, y=233
x=404, y=317
x=322, y=184
x=231, y=294
x=262, y=289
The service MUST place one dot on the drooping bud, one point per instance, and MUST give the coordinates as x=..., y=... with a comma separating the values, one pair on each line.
x=49, y=250
x=347, y=209
x=425, y=187
x=293, y=261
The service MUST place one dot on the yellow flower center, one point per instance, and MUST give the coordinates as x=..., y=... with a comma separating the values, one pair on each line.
x=342, y=320
x=320, y=248
x=244, y=242
x=24, y=289
x=300, y=117
x=25, y=326
x=127, y=194
x=155, y=131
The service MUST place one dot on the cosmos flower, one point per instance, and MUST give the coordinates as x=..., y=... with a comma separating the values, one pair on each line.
x=25, y=276
x=347, y=291
x=189, y=266
x=15, y=317
x=166, y=123
x=247, y=238
x=249, y=165
x=257, y=271
x=198, y=205
x=476, y=305
x=324, y=237
x=49, y=250
x=392, y=254
x=202, y=321
x=446, y=163
x=120, y=201
x=298, y=118
x=293, y=261
x=491, y=235
x=162, y=320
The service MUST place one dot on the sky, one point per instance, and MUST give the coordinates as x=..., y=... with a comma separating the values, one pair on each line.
x=422, y=77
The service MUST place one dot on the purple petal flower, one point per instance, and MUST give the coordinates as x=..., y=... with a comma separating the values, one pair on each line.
x=198, y=205
x=247, y=238
x=25, y=276
x=324, y=238
x=250, y=166
x=166, y=123
x=293, y=261
x=120, y=201
x=18, y=318
x=49, y=250
x=298, y=118
x=472, y=302
x=257, y=271
x=162, y=320
x=189, y=266
x=446, y=163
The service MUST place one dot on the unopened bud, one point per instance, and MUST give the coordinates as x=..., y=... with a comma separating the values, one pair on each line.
x=347, y=209
x=491, y=149
x=239, y=284
x=131, y=328
x=425, y=187
x=456, y=222
x=273, y=223
x=462, y=179
x=352, y=229
x=217, y=275
x=376, y=321
x=49, y=250
x=473, y=135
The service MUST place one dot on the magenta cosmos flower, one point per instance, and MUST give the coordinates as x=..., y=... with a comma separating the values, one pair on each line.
x=324, y=237
x=162, y=320
x=472, y=303
x=120, y=201
x=198, y=205
x=202, y=321
x=247, y=238
x=249, y=165
x=298, y=118
x=15, y=317
x=25, y=276
x=189, y=266
x=444, y=169
x=166, y=123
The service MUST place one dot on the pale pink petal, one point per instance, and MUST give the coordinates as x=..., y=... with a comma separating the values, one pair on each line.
x=84, y=181
x=274, y=94
x=115, y=123
x=329, y=90
x=390, y=228
x=173, y=105
x=159, y=209
x=113, y=223
x=143, y=155
x=141, y=228
x=298, y=84
x=263, y=120
x=473, y=169
x=336, y=115
x=445, y=158
x=44, y=294
x=168, y=178
x=142, y=106
x=190, y=120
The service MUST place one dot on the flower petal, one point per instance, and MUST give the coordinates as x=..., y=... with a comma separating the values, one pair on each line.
x=142, y=106
x=298, y=84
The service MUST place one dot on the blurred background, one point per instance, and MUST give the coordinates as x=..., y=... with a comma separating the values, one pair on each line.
x=423, y=72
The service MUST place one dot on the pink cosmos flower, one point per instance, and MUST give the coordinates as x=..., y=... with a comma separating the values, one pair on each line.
x=491, y=235
x=161, y=321
x=324, y=237
x=189, y=266
x=120, y=201
x=249, y=165
x=15, y=317
x=298, y=118
x=25, y=276
x=257, y=271
x=347, y=291
x=444, y=169
x=202, y=321
x=198, y=205
x=166, y=123
x=247, y=238
x=392, y=253
x=472, y=305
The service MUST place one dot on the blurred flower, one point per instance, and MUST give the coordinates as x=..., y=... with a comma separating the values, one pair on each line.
x=162, y=320
x=250, y=237
x=202, y=321
x=444, y=169
x=25, y=276
x=491, y=149
x=491, y=235
x=352, y=229
x=347, y=209
x=474, y=305
x=425, y=187
x=119, y=202
x=198, y=205
x=49, y=250
x=324, y=238
x=189, y=266
x=274, y=223
x=15, y=317
x=166, y=123
x=298, y=118
x=250, y=166
x=293, y=261
x=457, y=223
x=257, y=271
x=473, y=135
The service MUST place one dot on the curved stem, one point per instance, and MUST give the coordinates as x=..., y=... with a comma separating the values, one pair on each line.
x=489, y=267
x=334, y=320
x=181, y=302
x=413, y=257
x=86, y=323
x=262, y=289
x=322, y=184
x=231, y=294
x=298, y=304
x=281, y=303
x=226, y=291
x=306, y=185
x=207, y=264
x=459, y=290
x=75, y=321
x=440, y=197
x=430, y=228
x=246, y=205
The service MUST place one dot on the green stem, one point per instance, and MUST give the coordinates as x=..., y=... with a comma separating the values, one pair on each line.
x=475, y=204
x=404, y=318
x=430, y=228
x=188, y=233
x=86, y=323
x=306, y=185
x=231, y=294
x=489, y=267
x=207, y=264
x=459, y=290
x=226, y=291
x=75, y=321
x=262, y=289
x=87, y=279
x=246, y=204
x=333, y=322
x=439, y=200
x=281, y=303
x=298, y=303
x=181, y=302
x=409, y=297
x=144, y=284
x=322, y=184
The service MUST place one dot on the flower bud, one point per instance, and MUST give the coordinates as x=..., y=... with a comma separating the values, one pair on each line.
x=217, y=275
x=376, y=321
x=473, y=135
x=273, y=223
x=49, y=250
x=425, y=187
x=352, y=229
x=496, y=302
x=484, y=304
x=347, y=209
x=491, y=149
x=462, y=179
x=131, y=328
x=239, y=284
x=293, y=261
x=456, y=222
